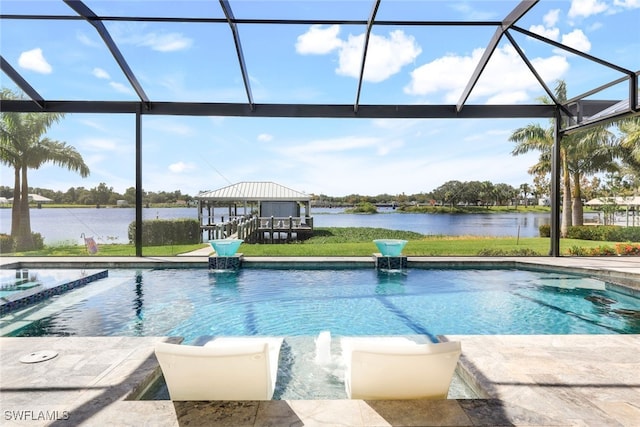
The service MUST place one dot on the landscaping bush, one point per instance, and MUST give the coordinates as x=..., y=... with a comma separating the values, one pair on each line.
x=38, y=241
x=512, y=252
x=158, y=232
x=6, y=243
x=602, y=250
x=610, y=233
x=590, y=232
x=627, y=249
x=545, y=230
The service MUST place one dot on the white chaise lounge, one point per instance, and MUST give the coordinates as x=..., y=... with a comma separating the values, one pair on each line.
x=379, y=368
x=226, y=368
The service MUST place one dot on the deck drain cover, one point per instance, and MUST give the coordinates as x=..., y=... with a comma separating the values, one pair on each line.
x=38, y=356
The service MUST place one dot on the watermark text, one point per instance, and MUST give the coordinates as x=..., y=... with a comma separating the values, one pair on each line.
x=35, y=415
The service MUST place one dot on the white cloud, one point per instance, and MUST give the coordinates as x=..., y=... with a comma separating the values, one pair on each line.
x=327, y=148
x=577, y=40
x=319, y=40
x=86, y=40
x=100, y=144
x=265, y=137
x=120, y=87
x=505, y=78
x=550, y=19
x=180, y=167
x=448, y=73
x=166, y=42
x=550, y=33
x=627, y=4
x=161, y=42
x=100, y=73
x=34, y=60
x=586, y=8
x=385, y=55
x=333, y=145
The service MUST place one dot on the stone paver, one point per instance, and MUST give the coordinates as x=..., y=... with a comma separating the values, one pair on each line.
x=539, y=381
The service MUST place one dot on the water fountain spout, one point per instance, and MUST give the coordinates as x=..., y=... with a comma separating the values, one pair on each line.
x=323, y=348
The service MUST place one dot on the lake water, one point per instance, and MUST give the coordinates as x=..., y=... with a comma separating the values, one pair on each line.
x=110, y=225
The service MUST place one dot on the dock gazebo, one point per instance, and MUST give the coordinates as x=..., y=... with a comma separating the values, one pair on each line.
x=258, y=211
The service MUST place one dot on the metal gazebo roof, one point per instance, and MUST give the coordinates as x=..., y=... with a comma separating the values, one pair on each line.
x=254, y=191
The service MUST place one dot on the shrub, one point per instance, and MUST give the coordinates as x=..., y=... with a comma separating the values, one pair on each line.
x=512, y=252
x=159, y=232
x=364, y=207
x=590, y=232
x=38, y=241
x=627, y=249
x=608, y=233
x=6, y=243
x=545, y=230
x=602, y=250
x=577, y=251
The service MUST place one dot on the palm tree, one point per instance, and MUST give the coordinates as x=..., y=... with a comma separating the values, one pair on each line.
x=525, y=190
x=582, y=153
x=629, y=142
x=23, y=147
x=535, y=137
x=589, y=152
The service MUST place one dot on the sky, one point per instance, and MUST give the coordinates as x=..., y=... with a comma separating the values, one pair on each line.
x=310, y=64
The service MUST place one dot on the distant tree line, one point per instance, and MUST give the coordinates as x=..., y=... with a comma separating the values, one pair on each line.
x=103, y=195
x=475, y=193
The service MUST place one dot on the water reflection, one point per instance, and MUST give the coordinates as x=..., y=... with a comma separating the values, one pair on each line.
x=111, y=225
x=391, y=282
x=224, y=283
x=138, y=303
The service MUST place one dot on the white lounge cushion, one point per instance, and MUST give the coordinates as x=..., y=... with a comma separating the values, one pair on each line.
x=229, y=368
x=398, y=368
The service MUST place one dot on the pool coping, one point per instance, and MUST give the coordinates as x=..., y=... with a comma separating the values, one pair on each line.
x=623, y=271
x=527, y=380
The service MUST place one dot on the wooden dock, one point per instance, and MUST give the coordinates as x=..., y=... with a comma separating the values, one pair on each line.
x=254, y=229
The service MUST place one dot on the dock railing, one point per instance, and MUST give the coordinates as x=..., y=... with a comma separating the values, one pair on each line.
x=261, y=229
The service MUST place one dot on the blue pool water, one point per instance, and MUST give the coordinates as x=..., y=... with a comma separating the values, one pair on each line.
x=195, y=303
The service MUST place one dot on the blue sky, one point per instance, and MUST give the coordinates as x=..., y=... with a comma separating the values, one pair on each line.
x=307, y=64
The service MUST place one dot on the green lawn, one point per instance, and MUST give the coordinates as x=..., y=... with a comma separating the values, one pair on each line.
x=352, y=241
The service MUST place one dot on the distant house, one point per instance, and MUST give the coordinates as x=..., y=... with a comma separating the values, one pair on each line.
x=275, y=208
x=35, y=198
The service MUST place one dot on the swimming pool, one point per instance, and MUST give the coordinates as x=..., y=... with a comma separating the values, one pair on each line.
x=301, y=303
x=195, y=303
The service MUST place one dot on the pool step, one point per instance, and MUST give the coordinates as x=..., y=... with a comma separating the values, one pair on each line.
x=32, y=293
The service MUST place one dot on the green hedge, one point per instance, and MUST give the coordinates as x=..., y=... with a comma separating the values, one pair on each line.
x=160, y=232
x=545, y=230
x=6, y=244
x=608, y=233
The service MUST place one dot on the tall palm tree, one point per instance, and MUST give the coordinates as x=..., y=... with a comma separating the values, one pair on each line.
x=23, y=147
x=589, y=152
x=629, y=142
x=525, y=190
x=581, y=153
x=534, y=137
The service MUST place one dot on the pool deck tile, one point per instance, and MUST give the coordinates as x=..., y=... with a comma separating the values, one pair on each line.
x=549, y=380
x=567, y=380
